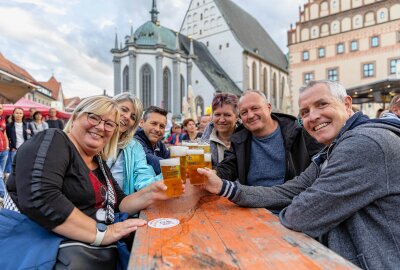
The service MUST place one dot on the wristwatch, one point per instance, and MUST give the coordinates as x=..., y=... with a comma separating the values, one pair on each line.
x=101, y=232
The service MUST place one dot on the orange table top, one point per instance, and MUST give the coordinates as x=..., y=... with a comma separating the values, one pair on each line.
x=214, y=233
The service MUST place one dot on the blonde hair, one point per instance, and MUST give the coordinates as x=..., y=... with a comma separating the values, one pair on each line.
x=127, y=136
x=98, y=105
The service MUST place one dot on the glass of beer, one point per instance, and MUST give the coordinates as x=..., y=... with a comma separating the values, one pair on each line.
x=180, y=151
x=195, y=159
x=206, y=147
x=171, y=173
x=190, y=144
x=207, y=160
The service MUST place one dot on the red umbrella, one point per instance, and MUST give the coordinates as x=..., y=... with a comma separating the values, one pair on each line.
x=26, y=104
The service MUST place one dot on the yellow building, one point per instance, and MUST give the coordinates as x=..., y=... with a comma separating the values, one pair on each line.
x=356, y=42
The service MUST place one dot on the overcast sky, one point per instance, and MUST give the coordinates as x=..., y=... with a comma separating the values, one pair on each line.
x=72, y=39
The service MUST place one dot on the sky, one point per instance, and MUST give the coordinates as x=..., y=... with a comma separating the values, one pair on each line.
x=72, y=39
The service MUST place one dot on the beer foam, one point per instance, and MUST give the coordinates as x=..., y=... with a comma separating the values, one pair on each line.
x=170, y=162
x=207, y=157
x=178, y=150
x=190, y=144
x=195, y=151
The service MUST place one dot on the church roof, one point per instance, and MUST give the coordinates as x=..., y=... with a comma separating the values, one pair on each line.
x=209, y=66
x=251, y=35
x=152, y=34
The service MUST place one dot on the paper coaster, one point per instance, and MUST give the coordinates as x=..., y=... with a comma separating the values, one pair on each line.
x=163, y=223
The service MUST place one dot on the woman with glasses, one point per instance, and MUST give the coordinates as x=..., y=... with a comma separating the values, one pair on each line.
x=130, y=168
x=61, y=186
x=224, y=122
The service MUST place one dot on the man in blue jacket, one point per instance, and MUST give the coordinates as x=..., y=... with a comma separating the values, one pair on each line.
x=348, y=197
x=150, y=135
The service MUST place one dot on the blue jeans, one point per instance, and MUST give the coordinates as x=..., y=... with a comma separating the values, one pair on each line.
x=3, y=161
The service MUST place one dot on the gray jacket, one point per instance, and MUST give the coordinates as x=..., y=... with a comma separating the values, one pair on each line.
x=351, y=204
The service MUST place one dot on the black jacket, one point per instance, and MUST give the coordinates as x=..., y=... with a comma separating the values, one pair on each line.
x=299, y=148
x=153, y=155
x=12, y=136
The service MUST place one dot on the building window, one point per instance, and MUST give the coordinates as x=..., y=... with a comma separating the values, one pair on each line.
x=354, y=46
x=368, y=70
x=308, y=77
x=166, y=88
x=254, y=75
x=201, y=16
x=227, y=45
x=321, y=52
x=125, y=80
x=333, y=74
x=306, y=56
x=340, y=48
x=374, y=41
x=220, y=47
x=382, y=15
x=200, y=31
x=146, y=86
x=392, y=65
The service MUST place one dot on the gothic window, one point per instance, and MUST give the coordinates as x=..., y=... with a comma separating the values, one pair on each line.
x=274, y=90
x=146, y=85
x=254, y=75
x=125, y=79
x=166, y=88
x=282, y=91
x=181, y=93
x=265, y=82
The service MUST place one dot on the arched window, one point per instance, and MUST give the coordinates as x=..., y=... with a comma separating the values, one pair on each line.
x=254, y=75
x=125, y=79
x=282, y=91
x=181, y=93
x=274, y=86
x=166, y=89
x=199, y=101
x=146, y=85
x=265, y=82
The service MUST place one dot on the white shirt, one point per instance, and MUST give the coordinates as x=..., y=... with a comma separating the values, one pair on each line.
x=20, y=134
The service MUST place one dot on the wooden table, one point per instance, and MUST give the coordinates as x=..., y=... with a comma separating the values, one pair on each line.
x=214, y=233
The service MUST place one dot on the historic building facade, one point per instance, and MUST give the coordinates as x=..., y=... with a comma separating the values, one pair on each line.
x=356, y=42
x=242, y=47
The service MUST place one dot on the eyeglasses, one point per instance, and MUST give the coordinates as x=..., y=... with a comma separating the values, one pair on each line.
x=95, y=120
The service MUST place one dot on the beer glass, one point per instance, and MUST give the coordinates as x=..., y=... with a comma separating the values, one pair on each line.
x=180, y=151
x=207, y=160
x=191, y=145
x=171, y=173
x=195, y=159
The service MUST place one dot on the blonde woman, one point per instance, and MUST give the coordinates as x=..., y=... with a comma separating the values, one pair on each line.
x=130, y=168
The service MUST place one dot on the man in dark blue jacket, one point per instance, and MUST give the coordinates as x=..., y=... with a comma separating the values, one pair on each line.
x=150, y=135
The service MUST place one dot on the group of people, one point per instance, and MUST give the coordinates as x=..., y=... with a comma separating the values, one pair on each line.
x=15, y=130
x=335, y=177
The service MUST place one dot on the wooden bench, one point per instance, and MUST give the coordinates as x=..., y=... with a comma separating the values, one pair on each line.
x=216, y=234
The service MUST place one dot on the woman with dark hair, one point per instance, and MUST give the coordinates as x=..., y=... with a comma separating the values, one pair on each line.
x=37, y=124
x=17, y=132
x=191, y=130
x=225, y=119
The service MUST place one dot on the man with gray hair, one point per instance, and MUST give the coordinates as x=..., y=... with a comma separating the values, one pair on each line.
x=268, y=148
x=349, y=195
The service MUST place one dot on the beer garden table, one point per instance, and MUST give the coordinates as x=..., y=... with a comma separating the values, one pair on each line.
x=214, y=233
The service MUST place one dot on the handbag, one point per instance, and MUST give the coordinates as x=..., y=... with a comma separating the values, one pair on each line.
x=77, y=255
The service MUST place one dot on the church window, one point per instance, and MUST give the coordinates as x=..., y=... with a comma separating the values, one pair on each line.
x=199, y=101
x=182, y=93
x=265, y=82
x=254, y=75
x=166, y=89
x=282, y=91
x=147, y=85
x=125, y=79
x=274, y=89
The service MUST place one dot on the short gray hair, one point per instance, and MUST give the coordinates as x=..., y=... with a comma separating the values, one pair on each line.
x=258, y=92
x=336, y=89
